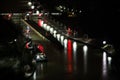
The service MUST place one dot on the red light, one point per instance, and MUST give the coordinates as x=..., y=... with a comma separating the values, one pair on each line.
x=40, y=22
x=69, y=56
x=40, y=47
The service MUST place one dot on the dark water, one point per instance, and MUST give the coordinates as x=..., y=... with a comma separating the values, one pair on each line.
x=80, y=63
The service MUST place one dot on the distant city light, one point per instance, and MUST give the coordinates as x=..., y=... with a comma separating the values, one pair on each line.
x=32, y=7
x=80, y=11
x=29, y=3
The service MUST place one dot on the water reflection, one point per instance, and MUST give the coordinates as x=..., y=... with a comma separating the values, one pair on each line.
x=109, y=62
x=34, y=76
x=104, y=66
x=39, y=73
x=85, y=50
x=75, y=55
x=69, y=56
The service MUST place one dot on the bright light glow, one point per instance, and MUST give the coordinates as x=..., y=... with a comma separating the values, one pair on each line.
x=109, y=61
x=58, y=37
x=65, y=43
x=109, y=58
x=51, y=30
x=48, y=28
x=74, y=46
x=44, y=26
x=80, y=11
x=15, y=40
x=27, y=14
x=104, y=67
x=85, y=48
x=38, y=57
x=75, y=55
x=104, y=42
x=54, y=33
x=62, y=39
x=32, y=7
x=29, y=3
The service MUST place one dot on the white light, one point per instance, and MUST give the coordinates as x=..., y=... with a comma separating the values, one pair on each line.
x=32, y=7
x=85, y=48
x=74, y=46
x=80, y=11
x=44, y=26
x=109, y=60
x=48, y=28
x=104, y=69
x=15, y=40
x=27, y=14
x=58, y=37
x=62, y=39
x=38, y=57
x=104, y=42
x=65, y=43
x=51, y=30
x=54, y=33
x=29, y=3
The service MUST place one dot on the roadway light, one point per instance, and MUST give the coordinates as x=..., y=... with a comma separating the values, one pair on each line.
x=62, y=39
x=58, y=37
x=51, y=30
x=54, y=33
x=65, y=43
x=48, y=28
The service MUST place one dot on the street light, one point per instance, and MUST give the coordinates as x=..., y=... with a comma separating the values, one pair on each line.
x=32, y=7
x=29, y=3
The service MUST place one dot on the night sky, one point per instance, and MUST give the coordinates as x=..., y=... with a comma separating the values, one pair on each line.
x=13, y=5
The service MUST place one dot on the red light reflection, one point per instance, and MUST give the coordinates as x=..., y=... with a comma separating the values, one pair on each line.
x=69, y=56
